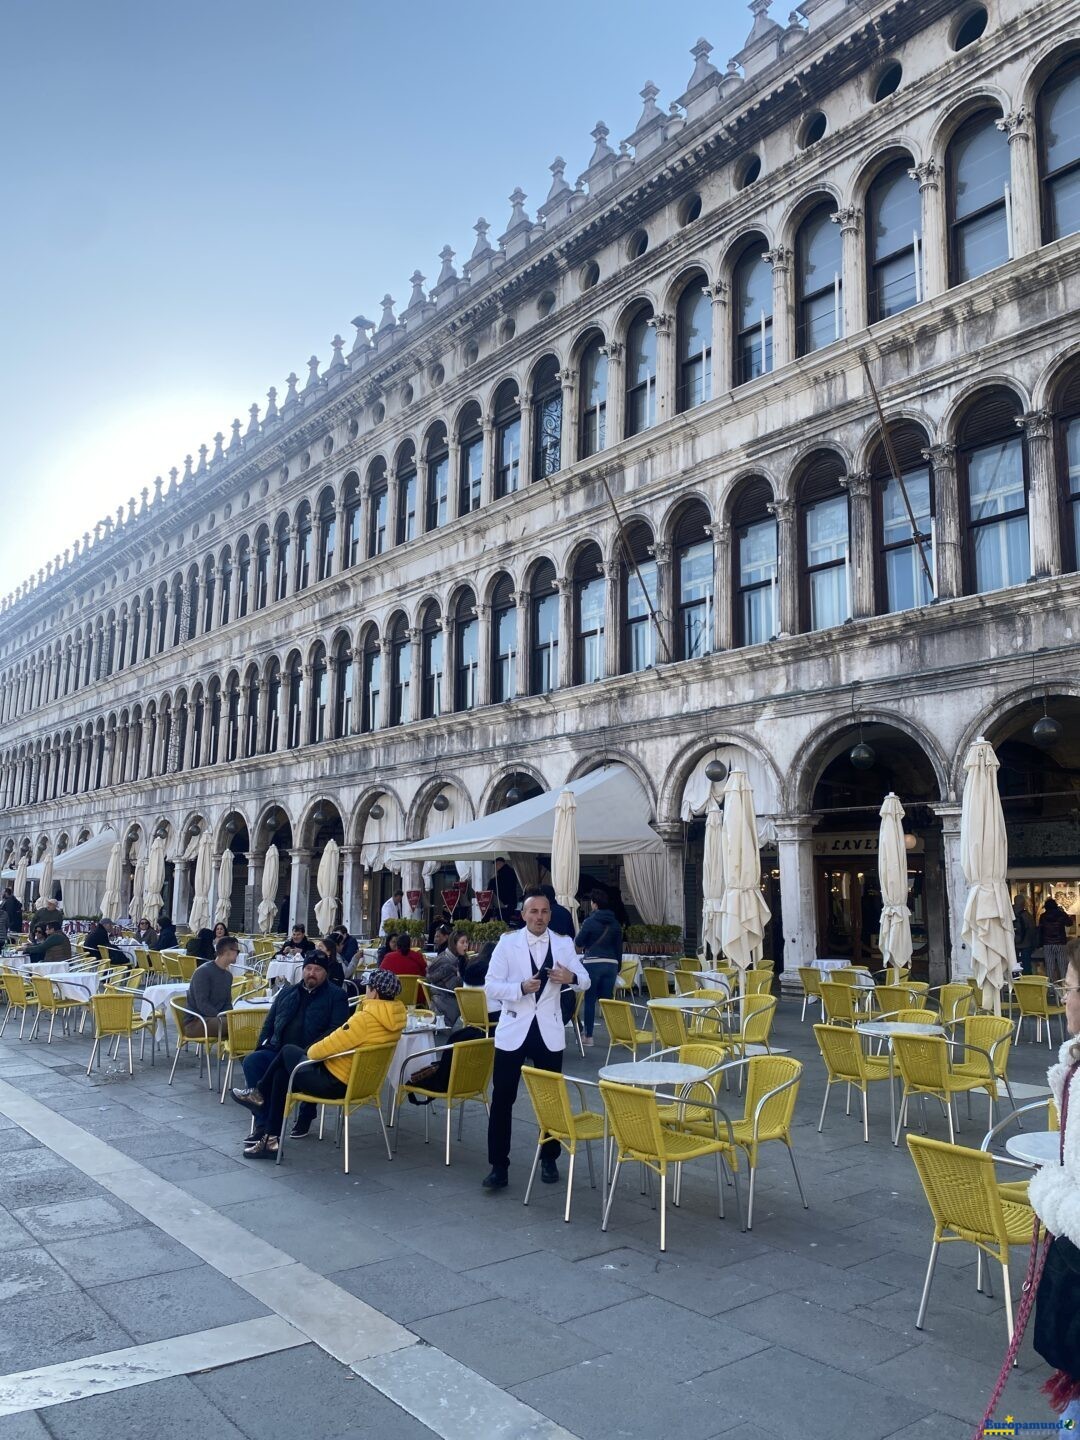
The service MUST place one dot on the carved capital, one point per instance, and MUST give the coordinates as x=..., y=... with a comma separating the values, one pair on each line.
x=521, y=598
x=717, y=293
x=1016, y=125
x=614, y=351
x=941, y=457
x=661, y=323
x=779, y=257
x=849, y=218
x=784, y=510
x=928, y=174
x=568, y=379
x=720, y=531
x=661, y=552
x=1037, y=424
x=857, y=485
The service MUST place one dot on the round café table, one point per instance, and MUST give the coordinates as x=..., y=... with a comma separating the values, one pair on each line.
x=1036, y=1147
x=885, y=1030
x=650, y=1074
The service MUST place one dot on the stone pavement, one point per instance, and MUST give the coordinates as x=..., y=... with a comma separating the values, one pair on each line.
x=238, y=1299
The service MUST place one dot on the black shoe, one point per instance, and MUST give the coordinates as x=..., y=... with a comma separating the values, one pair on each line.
x=549, y=1172
x=497, y=1180
x=300, y=1130
x=419, y=1099
x=250, y=1099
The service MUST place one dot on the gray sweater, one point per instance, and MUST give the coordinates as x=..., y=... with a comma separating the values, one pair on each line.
x=210, y=990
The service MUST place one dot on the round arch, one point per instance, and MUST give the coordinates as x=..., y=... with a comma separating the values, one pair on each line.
x=494, y=794
x=829, y=740
x=965, y=398
x=612, y=755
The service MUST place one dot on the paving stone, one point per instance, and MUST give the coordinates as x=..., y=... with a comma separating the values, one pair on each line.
x=16, y=1139
x=67, y=1219
x=193, y=1164
x=58, y=1183
x=506, y=1342
x=26, y=1426
x=156, y=1307
x=325, y=1238
x=139, y=1411
x=248, y=1184
x=950, y=1384
x=138, y=1250
x=22, y=1162
x=30, y=1271
x=464, y=1244
x=409, y=1287
x=849, y=1342
x=554, y=1287
x=935, y=1427
x=12, y=1234
x=811, y=1280
x=46, y=1329
x=159, y=1141
x=694, y=1285
x=691, y=1344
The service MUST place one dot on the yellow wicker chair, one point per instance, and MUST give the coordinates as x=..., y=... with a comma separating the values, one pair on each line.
x=473, y=1007
x=1035, y=1002
x=669, y=1026
x=955, y=1001
x=187, y=965
x=558, y=1120
x=758, y=981
x=965, y=1199
x=618, y=1017
x=657, y=981
x=987, y=1041
x=838, y=1002
x=686, y=981
x=624, y=981
x=204, y=1043
x=843, y=977
x=757, y=1021
x=20, y=997
x=925, y=1069
x=370, y=1066
x=52, y=1001
x=891, y=999
x=117, y=1014
x=810, y=976
x=846, y=1062
x=470, y=1079
x=410, y=987
x=170, y=965
x=242, y=1030
x=696, y=1101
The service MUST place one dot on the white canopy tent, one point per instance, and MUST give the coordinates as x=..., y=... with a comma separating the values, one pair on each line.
x=81, y=872
x=612, y=819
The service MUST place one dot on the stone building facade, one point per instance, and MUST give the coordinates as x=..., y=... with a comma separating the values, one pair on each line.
x=616, y=488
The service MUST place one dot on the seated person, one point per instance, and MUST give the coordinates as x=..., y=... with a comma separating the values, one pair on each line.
x=201, y=946
x=167, y=934
x=210, y=991
x=102, y=934
x=475, y=977
x=348, y=950
x=402, y=959
x=220, y=930
x=297, y=946
x=379, y=1021
x=326, y=949
x=54, y=944
x=440, y=934
x=145, y=934
x=445, y=973
x=300, y=1015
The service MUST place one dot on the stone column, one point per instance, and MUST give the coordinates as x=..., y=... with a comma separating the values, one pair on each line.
x=262, y=702
x=292, y=569
x=341, y=539
x=564, y=588
x=672, y=836
x=357, y=663
x=795, y=848
x=948, y=552
x=721, y=337
x=416, y=676
x=307, y=706
x=722, y=588
x=787, y=565
x=209, y=600
x=853, y=280
x=783, y=319
x=253, y=891
x=242, y=715
x=283, y=712
x=1044, y=506
x=666, y=397
x=107, y=776
x=186, y=760
x=453, y=464
x=352, y=887
x=487, y=481
x=524, y=632
x=665, y=602
x=234, y=587
x=299, y=886
x=935, y=246
x=860, y=544
x=483, y=651
x=145, y=757
x=525, y=469
x=612, y=572
x=382, y=720
x=569, y=435
x=956, y=888
x=1024, y=181
x=615, y=413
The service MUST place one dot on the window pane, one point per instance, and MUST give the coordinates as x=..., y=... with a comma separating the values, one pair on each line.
x=980, y=168
x=509, y=457
x=827, y=531
x=757, y=553
x=749, y=358
x=1061, y=120
x=1065, y=204
x=472, y=471
x=591, y=600
x=695, y=382
x=821, y=251
x=754, y=291
x=982, y=244
x=895, y=214
x=695, y=598
x=549, y=436
x=1002, y=556
x=1072, y=448
x=545, y=643
x=828, y=598
x=594, y=378
x=640, y=353
x=996, y=480
x=906, y=579
x=637, y=606
x=820, y=321
x=758, y=615
x=438, y=491
x=895, y=282
x=896, y=527
x=407, y=508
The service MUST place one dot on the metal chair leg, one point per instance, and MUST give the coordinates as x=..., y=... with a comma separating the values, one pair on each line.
x=824, y=1105
x=798, y=1180
x=449, y=1121
x=385, y=1134
x=611, y=1192
x=926, y=1286
x=1008, y=1291
x=865, y=1117
x=569, y=1186
x=663, y=1209
x=532, y=1174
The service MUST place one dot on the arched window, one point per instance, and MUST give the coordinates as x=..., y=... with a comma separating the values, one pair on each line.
x=320, y=695
x=273, y=703
x=296, y=701
x=590, y=602
x=134, y=750
x=147, y=629
x=466, y=652
x=640, y=373
x=431, y=663
x=400, y=671
x=352, y=520
x=993, y=466
x=251, y=739
x=243, y=565
x=327, y=535
x=226, y=578
x=639, y=599
x=977, y=191
x=1067, y=418
x=894, y=240
x=198, y=719
x=232, y=717
x=507, y=421
x=162, y=626
x=754, y=568
x=437, y=482
x=543, y=630
x=369, y=706
x=406, y=494
x=178, y=628
x=547, y=419
x=213, y=721
x=503, y=640
x=180, y=721
x=1059, y=147
x=693, y=344
x=303, y=546
x=752, y=296
x=209, y=590
x=694, y=581
x=378, y=507
x=818, y=282
x=121, y=658
x=470, y=459
x=823, y=534
x=594, y=378
x=343, y=687
x=281, y=557
x=262, y=568
x=901, y=582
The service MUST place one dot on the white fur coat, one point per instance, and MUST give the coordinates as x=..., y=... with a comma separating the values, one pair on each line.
x=1054, y=1191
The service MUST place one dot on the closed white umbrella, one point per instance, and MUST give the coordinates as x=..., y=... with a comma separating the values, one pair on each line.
x=326, y=882
x=712, y=883
x=565, y=861
x=894, y=935
x=199, y=918
x=744, y=912
x=138, y=885
x=153, y=901
x=268, y=909
x=47, y=875
x=984, y=853
x=20, y=879
x=224, y=888
x=110, y=896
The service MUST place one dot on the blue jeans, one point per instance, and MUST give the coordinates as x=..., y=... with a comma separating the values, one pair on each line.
x=255, y=1067
x=603, y=974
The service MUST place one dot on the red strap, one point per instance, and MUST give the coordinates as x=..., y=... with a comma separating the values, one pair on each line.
x=1036, y=1261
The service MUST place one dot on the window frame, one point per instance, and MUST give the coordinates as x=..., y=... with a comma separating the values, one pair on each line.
x=703, y=358
x=894, y=171
x=739, y=335
x=953, y=225
x=1048, y=180
x=964, y=452
x=804, y=298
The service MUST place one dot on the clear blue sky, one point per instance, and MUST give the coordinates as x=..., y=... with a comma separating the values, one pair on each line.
x=197, y=196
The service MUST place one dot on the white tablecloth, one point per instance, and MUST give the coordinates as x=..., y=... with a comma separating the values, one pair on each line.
x=289, y=971
x=157, y=997
x=78, y=986
x=411, y=1043
x=828, y=966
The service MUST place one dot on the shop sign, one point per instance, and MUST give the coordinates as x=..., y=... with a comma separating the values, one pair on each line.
x=856, y=844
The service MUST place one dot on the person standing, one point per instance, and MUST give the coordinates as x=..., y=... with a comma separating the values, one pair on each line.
x=562, y=922
x=527, y=973
x=505, y=885
x=600, y=942
x=1054, y=935
x=1025, y=932
x=13, y=909
x=391, y=909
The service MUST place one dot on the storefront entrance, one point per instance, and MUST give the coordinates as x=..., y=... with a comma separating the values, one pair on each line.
x=849, y=907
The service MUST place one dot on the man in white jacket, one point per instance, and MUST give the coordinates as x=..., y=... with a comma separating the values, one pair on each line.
x=527, y=973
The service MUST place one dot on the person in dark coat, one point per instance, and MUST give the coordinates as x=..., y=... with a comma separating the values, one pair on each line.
x=13, y=908
x=562, y=922
x=505, y=885
x=600, y=942
x=300, y=1015
x=167, y=934
x=54, y=946
x=200, y=945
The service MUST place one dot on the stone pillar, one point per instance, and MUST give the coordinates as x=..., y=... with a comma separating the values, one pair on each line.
x=795, y=847
x=242, y=715
x=528, y=419
x=487, y=481
x=721, y=338
x=948, y=552
x=253, y=892
x=299, y=886
x=783, y=320
x=382, y=720
x=955, y=888
x=181, y=905
x=569, y=435
x=615, y=413
x=935, y=246
x=564, y=588
x=416, y=676
x=357, y=663
x=107, y=776
x=186, y=760
x=665, y=602
x=352, y=888
x=234, y=587
x=453, y=464
x=261, y=704
x=612, y=571
x=283, y=712
x=722, y=588
x=666, y=396
x=853, y=280
x=210, y=598
x=1024, y=181
x=787, y=565
x=524, y=633
x=483, y=651
x=1044, y=507
x=306, y=707
x=860, y=544
x=341, y=539
x=672, y=836
x=146, y=758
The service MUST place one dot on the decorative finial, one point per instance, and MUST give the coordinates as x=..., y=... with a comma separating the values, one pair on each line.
x=187, y=467
x=157, y=488
x=447, y=275
x=558, y=179
x=131, y=511
x=416, y=280
x=219, y=448
x=200, y=469
x=291, y=396
x=145, y=492
x=650, y=111
x=362, y=342
x=172, y=481
x=602, y=150
x=517, y=211
x=119, y=516
x=253, y=421
x=313, y=374
x=271, y=407
x=235, y=444
x=483, y=245
x=703, y=66
x=337, y=363
x=388, y=321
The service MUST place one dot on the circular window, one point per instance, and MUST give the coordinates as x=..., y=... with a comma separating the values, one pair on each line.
x=354, y=429
x=264, y=489
x=406, y=395
x=211, y=522
x=747, y=171
x=226, y=514
x=245, y=500
x=970, y=28
x=164, y=549
x=689, y=209
x=437, y=374
x=283, y=475
x=637, y=244
x=472, y=353
x=546, y=304
x=328, y=445
x=378, y=415
x=507, y=331
x=814, y=127
x=888, y=81
x=305, y=461
x=590, y=274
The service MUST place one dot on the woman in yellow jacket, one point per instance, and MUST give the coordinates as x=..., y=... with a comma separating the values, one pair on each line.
x=379, y=1022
